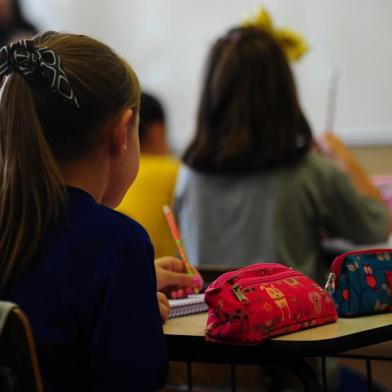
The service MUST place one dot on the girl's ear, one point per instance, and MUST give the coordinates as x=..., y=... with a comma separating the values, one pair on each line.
x=120, y=130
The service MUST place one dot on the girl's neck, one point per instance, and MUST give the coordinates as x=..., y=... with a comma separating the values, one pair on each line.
x=88, y=175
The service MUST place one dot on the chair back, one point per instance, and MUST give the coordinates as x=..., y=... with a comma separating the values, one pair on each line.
x=19, y=370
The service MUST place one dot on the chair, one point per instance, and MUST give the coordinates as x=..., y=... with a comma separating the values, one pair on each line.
x=19, y=370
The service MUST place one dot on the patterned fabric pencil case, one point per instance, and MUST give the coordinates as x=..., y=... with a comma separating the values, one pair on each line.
x=360, y=282
x=257, y=302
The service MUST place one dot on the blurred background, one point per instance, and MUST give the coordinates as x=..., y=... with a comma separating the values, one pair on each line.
x=344, y=81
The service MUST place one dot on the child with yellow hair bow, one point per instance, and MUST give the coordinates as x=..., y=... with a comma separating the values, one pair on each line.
x=252, y=187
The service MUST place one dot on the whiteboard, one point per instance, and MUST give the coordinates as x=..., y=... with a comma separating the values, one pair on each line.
x=166, y=41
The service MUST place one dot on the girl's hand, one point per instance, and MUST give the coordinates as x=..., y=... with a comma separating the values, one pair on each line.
x=172, y=278
x=164, y=306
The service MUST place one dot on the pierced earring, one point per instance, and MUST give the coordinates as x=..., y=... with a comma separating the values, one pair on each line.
x=123, y=147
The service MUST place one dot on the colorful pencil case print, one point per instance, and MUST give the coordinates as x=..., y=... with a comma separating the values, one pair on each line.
x=360, y=282
x=257, y=302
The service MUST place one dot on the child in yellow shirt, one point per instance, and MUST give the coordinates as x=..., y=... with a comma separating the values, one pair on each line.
x=156, y=179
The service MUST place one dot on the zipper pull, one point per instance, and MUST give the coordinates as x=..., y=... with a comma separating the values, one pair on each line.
x=330, y=285
x=239, y=294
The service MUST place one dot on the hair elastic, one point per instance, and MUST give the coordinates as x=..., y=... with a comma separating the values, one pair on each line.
x=24, y=58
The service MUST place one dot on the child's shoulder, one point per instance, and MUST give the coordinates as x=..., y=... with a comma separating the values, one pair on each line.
x=121, y=222
x=317, y=165
x=95, y=220
x=314, y=175
x=161, y=164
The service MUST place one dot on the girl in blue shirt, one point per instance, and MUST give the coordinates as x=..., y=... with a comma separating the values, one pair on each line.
x=83, y=273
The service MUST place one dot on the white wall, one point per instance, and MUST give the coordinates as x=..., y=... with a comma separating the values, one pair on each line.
x=166, y=41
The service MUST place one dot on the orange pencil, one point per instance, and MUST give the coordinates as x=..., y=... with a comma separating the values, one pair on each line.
x=177, y=238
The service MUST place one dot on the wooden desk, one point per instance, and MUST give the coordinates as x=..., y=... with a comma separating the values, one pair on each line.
x=186, y=342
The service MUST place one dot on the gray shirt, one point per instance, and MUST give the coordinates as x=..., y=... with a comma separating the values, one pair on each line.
x=276, y=215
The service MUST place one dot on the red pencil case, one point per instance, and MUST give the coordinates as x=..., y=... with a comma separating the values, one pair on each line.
x=257, y=302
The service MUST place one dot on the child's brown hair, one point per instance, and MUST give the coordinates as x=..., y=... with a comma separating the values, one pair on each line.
x=249, y=116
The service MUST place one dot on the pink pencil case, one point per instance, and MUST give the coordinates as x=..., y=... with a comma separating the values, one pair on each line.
x=254, y=303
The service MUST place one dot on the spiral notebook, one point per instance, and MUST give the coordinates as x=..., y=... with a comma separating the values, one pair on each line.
x=194, y=303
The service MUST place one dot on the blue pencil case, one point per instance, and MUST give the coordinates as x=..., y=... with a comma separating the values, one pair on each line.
x=360, y=282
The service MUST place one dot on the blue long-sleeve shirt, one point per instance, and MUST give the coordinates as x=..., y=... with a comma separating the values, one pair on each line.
x=90, y=296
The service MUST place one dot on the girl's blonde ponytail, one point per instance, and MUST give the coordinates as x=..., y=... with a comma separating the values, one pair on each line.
x=31, y=189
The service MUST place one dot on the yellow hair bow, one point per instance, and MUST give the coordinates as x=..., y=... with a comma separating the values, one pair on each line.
x=292, y=43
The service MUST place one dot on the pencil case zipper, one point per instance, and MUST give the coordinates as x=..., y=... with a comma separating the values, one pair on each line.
x=337, y=264
x=238, y=288
x=230, y=275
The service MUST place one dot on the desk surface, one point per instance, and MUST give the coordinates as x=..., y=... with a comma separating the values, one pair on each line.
x=185, y=339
